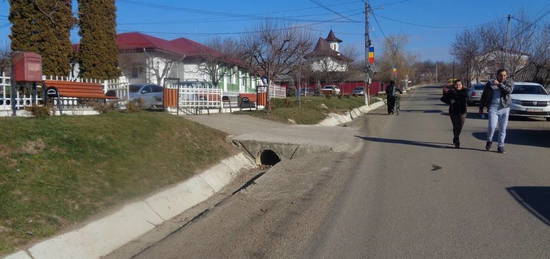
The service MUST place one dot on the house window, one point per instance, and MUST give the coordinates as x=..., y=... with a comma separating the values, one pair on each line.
x=135, y=71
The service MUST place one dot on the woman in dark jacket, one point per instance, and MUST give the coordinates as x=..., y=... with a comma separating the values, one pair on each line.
x=456, y=98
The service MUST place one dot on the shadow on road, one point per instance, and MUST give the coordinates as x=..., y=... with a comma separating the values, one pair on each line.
x=415, y=143
x=422, y=111
x=526, y=137
x=475, y=116
x=535, y=199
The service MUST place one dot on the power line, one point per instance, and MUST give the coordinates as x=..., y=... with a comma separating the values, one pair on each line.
x=430, y=26
x=332, y=11
x=378, y=24
x=200, y=11
x=283, y=18
x=390, y=4
x=318, y=7
x=530, y=25
x=228, y=33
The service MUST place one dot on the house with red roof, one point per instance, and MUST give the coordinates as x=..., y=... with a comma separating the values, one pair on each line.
x=147, y=59
x=326, y=56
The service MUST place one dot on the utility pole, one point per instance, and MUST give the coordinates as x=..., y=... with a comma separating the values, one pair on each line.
x=453, y=69
x=368, y=68
x=507, y=47
x=436, y=72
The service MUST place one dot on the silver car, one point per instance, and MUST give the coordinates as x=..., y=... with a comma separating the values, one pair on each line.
x=150, y=94
x=474, y=93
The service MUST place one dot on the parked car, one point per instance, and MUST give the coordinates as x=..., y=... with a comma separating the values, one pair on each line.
x=474, y=93
x=358, y=91
x=330, y=90
x=530, y=100
x=150, y=94
x=307, y=91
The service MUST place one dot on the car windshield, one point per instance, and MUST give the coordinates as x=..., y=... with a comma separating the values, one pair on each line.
x=134, y=88
x=529, y=89
x=478, y=87
x=359, y=89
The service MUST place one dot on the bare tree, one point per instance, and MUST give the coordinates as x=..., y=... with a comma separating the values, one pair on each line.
x=274, y=50
x=538, y=67
x=161, y=65
x=482, y=51
x=217, y=59
x=395, y=56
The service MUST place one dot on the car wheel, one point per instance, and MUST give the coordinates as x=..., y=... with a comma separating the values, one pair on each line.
x=547, y=118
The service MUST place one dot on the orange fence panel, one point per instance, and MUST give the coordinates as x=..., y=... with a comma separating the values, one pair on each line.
x=170, y=97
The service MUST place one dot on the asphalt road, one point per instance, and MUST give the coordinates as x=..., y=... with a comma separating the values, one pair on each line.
x=406, y=194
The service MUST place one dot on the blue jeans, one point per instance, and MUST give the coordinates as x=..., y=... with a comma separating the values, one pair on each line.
x=498, y=117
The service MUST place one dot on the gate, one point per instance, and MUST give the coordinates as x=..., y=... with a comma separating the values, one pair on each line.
x=191, y=97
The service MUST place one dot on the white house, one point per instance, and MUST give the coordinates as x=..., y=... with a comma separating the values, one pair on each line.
x=326, y=56
x=148, y=59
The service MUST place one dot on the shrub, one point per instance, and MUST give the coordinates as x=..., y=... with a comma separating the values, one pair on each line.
x=135, y=105
x=39, y=111
x=104, y=107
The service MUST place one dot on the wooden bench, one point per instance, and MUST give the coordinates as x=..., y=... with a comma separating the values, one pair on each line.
x=77, y=89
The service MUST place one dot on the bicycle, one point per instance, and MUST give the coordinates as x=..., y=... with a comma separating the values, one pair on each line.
x=397, y=105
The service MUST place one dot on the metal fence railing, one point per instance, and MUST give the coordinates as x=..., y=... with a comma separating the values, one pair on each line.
x=23, y=97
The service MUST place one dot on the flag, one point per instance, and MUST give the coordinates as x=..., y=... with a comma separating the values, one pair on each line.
x=371, y=55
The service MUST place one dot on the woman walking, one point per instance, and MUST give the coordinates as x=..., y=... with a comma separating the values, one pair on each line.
x=456, y=97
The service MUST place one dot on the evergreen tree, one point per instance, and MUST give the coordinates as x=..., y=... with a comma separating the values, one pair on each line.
x=98, y=53
x=23, y=30
x=43, y=26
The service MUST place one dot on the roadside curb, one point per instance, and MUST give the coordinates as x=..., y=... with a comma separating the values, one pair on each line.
x=337, y=119
x=102, y=236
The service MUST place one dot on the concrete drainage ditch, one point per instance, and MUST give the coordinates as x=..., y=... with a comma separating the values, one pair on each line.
x=269, y=158
x=268, y=154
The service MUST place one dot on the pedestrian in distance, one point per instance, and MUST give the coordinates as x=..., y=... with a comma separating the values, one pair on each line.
x=391, y=92
x=496, y=97
x=456, y=97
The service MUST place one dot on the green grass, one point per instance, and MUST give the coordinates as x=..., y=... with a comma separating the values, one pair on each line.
x=312, y=111
x=58, y=171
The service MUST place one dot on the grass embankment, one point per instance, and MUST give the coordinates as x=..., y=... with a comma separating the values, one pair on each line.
x=58, y=171
x=312, y=111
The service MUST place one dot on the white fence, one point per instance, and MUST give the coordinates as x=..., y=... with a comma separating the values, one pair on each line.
x=23, y=98
x=275, y=91
x=199, y=98
x=195, y=98
x=24, y=95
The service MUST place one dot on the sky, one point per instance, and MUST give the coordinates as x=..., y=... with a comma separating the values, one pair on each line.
x=430, y=25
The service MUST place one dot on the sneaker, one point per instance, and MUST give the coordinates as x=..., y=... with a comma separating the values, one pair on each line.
x=501, y=150
x=488, y=145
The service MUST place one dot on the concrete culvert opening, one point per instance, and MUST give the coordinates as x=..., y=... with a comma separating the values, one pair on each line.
x=269, y=158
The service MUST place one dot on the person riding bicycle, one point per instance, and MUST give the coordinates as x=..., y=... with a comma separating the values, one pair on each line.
x=392, y=96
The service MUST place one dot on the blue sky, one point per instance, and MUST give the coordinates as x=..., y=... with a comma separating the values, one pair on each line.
x=430, y=25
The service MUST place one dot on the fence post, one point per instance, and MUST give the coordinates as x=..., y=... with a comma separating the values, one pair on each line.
x=178, y=101
x=12, y=96
x=34, y=93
